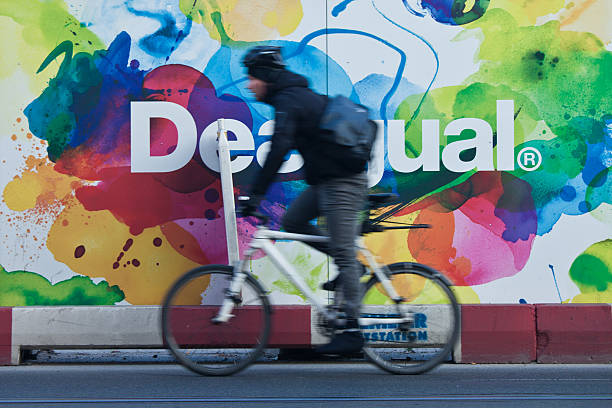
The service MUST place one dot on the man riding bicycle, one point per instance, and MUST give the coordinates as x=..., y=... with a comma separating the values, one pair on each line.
x=335, y=191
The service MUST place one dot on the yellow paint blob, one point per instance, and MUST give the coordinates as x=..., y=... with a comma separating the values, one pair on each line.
x=392, y=246
x=39, y=184
x=527, y=12
x=95, y=244
x=246, y=20
x=594, y=297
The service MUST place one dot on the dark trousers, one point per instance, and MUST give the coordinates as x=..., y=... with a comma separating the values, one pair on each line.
x=340, y=202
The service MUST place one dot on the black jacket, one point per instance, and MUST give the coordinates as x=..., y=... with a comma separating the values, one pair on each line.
x=298, y=112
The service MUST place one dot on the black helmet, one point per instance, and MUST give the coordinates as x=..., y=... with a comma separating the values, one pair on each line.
x=264, y=56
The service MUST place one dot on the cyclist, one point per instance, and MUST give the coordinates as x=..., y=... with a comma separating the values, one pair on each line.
x=334, y=191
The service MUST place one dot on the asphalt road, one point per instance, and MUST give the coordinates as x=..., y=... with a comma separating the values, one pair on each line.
x=306, y=385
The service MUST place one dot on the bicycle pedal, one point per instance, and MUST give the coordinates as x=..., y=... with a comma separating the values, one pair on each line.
x=218, y=321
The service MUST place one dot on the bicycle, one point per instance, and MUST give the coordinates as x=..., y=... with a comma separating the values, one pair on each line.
x=216, y=318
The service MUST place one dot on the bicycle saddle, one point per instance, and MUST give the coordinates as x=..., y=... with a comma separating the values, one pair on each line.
x=382, y=198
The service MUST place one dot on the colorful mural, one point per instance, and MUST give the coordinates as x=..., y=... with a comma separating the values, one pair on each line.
x=496, y=129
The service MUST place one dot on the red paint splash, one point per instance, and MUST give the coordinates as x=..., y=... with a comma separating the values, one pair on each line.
x=468, y=241
x=154, y=199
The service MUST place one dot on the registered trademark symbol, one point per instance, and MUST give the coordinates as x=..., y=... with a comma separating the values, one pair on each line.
x=529, y=158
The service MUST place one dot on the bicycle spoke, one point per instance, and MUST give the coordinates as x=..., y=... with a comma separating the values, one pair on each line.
x=200, y=344
x=424, y=342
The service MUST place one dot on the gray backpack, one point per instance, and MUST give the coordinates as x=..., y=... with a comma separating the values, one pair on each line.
x=346, y=127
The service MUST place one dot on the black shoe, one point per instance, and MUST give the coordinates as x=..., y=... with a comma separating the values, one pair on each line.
x=331, y=285
x=347, y=342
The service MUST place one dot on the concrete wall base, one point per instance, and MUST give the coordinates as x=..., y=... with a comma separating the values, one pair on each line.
x=543, y=333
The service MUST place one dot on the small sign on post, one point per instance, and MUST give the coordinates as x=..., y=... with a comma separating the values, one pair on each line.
x=227, y=190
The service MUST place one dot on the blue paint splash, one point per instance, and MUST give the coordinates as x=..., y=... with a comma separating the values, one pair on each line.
x=167, y=38
x=435, y=54
x=449, y=12
x=339, y=8
x=79, y=98
x=412, y=9
x=555, y=280
x=400, y=69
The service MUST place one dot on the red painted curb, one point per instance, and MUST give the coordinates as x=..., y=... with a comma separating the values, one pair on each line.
x=498, y=334
x=6, y=326
x=577, y=333
x=290, y=326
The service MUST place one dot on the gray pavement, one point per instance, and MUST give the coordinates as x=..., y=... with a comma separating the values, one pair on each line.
x=305, y=385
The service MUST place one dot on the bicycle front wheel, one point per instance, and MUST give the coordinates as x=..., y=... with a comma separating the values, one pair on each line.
x=419, y=346
x=199, y=344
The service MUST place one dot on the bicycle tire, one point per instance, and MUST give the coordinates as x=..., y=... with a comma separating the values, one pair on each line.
x=430, y=339
x=199, y=344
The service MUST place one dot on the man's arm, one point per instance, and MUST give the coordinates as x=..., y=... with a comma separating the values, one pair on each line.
x=282, y=142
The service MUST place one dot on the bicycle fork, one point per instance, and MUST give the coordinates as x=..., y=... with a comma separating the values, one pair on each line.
x=232, y=294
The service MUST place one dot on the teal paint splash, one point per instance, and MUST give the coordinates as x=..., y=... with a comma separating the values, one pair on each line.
x=86, y=89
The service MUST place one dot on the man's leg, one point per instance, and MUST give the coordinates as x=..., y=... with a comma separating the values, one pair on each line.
x=302, y=210
x=341, y=201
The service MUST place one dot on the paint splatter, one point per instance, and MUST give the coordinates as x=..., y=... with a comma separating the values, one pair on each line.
x=79, y=251
x=38, y=186
x=552, y=270
x=34, y=30
x=450, y=12
x=470, y=242
x=591, y=271
x=21, y=288
x=245, y=20
x=167, y=38
x=104, y=237
x=340, y=7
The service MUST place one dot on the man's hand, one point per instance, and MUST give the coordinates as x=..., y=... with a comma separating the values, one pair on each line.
x=247, y=206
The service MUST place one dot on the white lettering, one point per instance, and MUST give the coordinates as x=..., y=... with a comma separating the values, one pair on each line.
x=376, y=165
x=244, y=141
x=529, y=158
x=293, y=163
x=428, y=159
x=140, y=128
x=482, y=142
x=505, y=135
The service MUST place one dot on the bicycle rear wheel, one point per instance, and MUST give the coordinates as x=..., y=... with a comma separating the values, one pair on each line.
x=418, y=346
x=199, y=344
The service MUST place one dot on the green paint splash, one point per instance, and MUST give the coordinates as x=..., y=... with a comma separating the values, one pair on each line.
x=312, y=278
x=562, y=72
x=30, y=29
x=591, y=271
x=21, y=288
x=476, y=100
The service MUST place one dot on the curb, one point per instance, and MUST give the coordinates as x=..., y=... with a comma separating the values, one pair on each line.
x=574, y=333
x=543, y=333
x=6, y=327
x=497, y=334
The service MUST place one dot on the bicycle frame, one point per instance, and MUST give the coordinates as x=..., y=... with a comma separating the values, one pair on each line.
x=262, y=241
